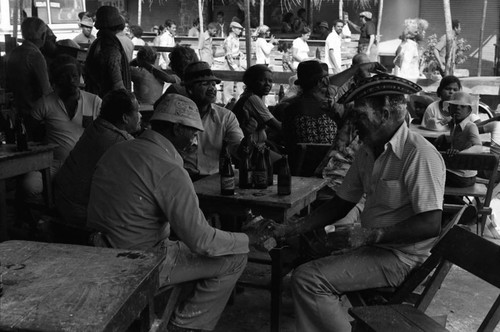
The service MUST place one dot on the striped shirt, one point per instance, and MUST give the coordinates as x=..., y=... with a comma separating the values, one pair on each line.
x=405, y=180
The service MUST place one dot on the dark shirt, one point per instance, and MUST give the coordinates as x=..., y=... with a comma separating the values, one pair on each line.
x=366, y=31
x=27, y=76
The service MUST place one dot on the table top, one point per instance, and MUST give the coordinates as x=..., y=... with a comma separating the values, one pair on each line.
x=302, y=187
x=9, y=151
x=60, y=287
x=432, y=134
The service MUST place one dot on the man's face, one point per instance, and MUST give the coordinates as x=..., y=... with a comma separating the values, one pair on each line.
x=86, y=31
x=68, y=81
x=338, y=27
x=322, y=93
x=134, y=119
x=460, y=112
x=220, y=19
x=362, y=19
x=458, y=29
x=367, y=121
x=212, y=32
x=185, y=137
x=237, y=31
x=204, y=92
x=172, y=29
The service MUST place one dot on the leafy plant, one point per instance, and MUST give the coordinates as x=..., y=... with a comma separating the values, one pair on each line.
x=428, y=59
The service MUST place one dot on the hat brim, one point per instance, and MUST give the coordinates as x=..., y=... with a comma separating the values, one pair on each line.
x=458, y=102
x=310, y=79
x=86, y=25
x=202, y=79
x=382, y=84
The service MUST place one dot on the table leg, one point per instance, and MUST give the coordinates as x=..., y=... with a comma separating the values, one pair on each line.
x=47, y=187
x=3, y=212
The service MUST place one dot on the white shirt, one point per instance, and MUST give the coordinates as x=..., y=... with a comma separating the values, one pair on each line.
x=333, y=42
x=263, y=51
x=165, y=40
x=302, y=50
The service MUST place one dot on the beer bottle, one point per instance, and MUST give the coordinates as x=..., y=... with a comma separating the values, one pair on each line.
x=227, y=177
x=269, y=165
x=10, y=131
x=318, y=54
x=245, y=175
x=259, y=174
x=21, y=134
x=281, y=93
x=222, y=155
x=284, y=177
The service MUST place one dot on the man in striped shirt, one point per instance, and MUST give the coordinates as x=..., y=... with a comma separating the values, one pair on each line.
x=403, y=178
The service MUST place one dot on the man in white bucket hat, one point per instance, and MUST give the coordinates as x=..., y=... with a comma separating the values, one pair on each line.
x=140, y=191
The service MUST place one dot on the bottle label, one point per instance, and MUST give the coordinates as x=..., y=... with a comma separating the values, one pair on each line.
x=259, y=179
x=227, y=183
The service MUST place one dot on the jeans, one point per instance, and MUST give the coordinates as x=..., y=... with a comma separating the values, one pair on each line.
x=318, y=285
x=215, y=279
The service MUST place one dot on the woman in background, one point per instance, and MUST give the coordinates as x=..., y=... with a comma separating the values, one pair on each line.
x=436, y=117
x=300, y=49
x=263, y=48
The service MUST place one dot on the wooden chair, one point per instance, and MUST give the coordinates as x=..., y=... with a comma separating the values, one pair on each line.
x=479, y=257
x=481, y=192
x=308, y=156
x=393, y=295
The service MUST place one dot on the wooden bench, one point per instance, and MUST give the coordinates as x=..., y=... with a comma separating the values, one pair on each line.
x=459, y=247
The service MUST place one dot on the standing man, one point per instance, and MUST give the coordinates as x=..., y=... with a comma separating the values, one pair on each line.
x=233, y=59
x=206, y=46
x=222, y=30
x=140, y=191
x=403, y=177
x=167, y=39
x=440, y=48
x=86, y=37
x=333, y=46
x=219, y=123
x=27, y=74
x=367, y=38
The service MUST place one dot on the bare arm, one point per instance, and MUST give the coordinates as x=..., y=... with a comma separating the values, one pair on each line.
x=370, y=44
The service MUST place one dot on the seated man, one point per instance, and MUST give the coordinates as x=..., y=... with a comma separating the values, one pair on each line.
x=63, y=115
x=140, y=191
x=119, y=118
x=219, y=123
x=403, y=177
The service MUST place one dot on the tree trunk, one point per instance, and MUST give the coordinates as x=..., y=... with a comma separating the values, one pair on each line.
x=450, y=35
x=481, y=36
x=379, y=20
x=261, y=13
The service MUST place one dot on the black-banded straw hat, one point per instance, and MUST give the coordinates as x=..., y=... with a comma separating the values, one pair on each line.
x=309, y=73
x=199, y=72
x=381, y=84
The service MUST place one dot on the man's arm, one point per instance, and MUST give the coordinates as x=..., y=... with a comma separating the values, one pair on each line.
x=370, y=44
x=344, y=76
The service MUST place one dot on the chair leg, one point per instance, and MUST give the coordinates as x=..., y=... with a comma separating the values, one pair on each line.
x=276, y=288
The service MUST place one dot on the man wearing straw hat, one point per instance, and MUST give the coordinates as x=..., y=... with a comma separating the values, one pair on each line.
x=140, y=191
x=86, y=36
x=403, y=177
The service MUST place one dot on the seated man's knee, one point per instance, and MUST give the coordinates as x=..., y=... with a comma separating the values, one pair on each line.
x=30, y=185
x=304, y=276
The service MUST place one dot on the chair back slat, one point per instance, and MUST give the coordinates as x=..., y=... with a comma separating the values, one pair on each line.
x=472, y=253
x=471, y=161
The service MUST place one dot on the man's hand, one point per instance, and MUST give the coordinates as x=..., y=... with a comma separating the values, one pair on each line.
x=452, y=152
x=260, y=233
x=353, y=236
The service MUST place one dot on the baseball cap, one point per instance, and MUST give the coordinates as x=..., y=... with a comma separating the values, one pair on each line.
x=176, y=108
x=368, y=15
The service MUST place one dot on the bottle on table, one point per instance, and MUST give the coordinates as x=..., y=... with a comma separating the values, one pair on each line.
x=226, y=176
x=259, y=173
x=21, y=134
x=281, y=93
x=245, y=167
x=284, y=177
x=269, y=165
x=10, y=131
x=222, y=155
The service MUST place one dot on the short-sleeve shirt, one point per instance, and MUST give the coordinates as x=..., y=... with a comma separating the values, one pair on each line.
x=252, y=106
x=206, y=51
x=464, y=136
x=140, y=190
x=333, y=42
x=219, y=124
x=263, y=51
x=302, y=50
x=433, y=116
x=367, y=30
x=60, y=129
x=405, y=180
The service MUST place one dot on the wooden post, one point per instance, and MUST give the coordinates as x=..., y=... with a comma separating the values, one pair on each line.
x=261, y=14
x=450, y=56
x=248, y=44
x=341, y=10
x=481, y=36
x=139, y=12
x=200, y=14
x=379, y=19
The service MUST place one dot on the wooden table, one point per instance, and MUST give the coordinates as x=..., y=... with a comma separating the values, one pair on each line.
x=267, y=203
x=14, y=163
x=59, y=287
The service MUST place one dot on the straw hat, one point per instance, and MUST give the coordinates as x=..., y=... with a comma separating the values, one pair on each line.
x=86, y=22
x=324, y=24
x=176, y=108
x=309, y=73
x=367, y=15
x=199, y=72
x=107, y=17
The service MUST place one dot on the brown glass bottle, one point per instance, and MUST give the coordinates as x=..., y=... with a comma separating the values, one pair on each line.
x=269, y=166
x=281, y=93
x=21, y=134
x=245, y=167
x=227, y=177
x=223, y=154
x=284, y=177
x=259, y=173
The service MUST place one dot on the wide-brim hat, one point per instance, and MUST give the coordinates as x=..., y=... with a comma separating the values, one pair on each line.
x=107, y=17
x=235, y=24
x=382, y=84
x=309, y=73
x=366, y=14
x=462, y=98
x=199, y=72
x=324, y=24
x=87, y=22
x=177, y=108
